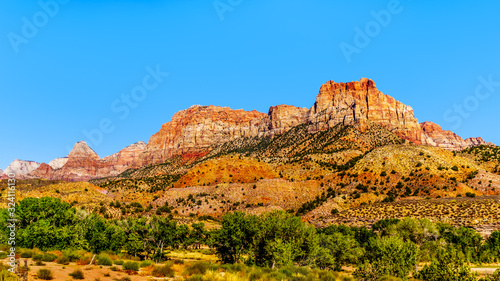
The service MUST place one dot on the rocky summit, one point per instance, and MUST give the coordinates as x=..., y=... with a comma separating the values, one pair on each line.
x=199, y=129
x=21, y=167
x=195, y=132
x=58, y=162
x=434, y=135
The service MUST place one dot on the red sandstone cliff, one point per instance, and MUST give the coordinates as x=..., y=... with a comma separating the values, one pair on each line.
x=434, y=135
x=197, y=130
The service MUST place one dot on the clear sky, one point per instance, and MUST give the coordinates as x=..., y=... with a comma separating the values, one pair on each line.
x=69, y=68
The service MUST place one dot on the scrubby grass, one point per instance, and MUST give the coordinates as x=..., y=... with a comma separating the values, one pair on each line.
x=146, y=263
x=241, y=272
x=457, y=211
x=44, y=274
x=77, y=274
x=104, y=260
x=131, y=265
x=163, y=271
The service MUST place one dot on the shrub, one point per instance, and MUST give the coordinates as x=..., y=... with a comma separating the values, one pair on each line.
x=118, y=262
x=72, y=256
x=387, y=256
x=44, y=274
x=37, y=257
x=104, y=260
x=197, y=268
x=163, y=271
x=27, y=254
x=494, y=277
x=37, y=263
x=77, y=274
x=47, y=257
x=470, y=194
x=449, y=265
x=146, y=263
x=131, y=265
x=62, y=260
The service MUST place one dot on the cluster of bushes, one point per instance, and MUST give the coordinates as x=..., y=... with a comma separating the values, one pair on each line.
x=392, y=247
x=277, y=240
x=210, y=271
x=49, y=224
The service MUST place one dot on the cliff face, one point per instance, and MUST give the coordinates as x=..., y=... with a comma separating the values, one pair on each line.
x=361, y=103
x=58, y=163
x=282, y=118
x=197, y=130
x=43, y=171
x=200, y=128
x=434, y=135
x=21, y=167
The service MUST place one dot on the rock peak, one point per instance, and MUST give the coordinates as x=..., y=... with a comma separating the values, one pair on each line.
x=361, y=103
x=81, y=149
x=21, y=167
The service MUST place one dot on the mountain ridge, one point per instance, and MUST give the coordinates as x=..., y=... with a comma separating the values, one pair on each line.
x=194, y=132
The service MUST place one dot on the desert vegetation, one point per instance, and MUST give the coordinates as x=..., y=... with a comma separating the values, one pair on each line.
x=273, y=246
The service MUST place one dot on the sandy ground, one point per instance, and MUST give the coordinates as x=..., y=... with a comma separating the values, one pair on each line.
x=484, y=270
x=90, y=272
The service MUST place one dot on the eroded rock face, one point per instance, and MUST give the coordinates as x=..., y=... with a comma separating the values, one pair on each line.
x=21, y=167
x=125, y=158
x=198, y=129
x=83, y=163
x=282, y=118
x=43, y=171
x=361, y=103
x=58, y=163
x=477, y=142
x=434, y=135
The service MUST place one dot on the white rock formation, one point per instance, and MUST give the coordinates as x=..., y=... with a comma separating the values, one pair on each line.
x=21, y=167
x=58, y=163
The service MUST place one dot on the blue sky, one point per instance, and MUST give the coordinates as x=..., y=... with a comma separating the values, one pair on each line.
x=69, y=73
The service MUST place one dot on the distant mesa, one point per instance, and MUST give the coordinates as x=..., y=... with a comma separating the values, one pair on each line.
x=196, y=131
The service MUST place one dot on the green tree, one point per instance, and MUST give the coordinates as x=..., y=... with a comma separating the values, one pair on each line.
x=283, y=240
x=344, y=249
x=492, y=246
x=465, y=239
x=46, y=223
x=163, y=231
x=417, y=231
x=93, y=229
x=235, y=237
x=448, y=265
x=198, y=234
x=387, y=256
